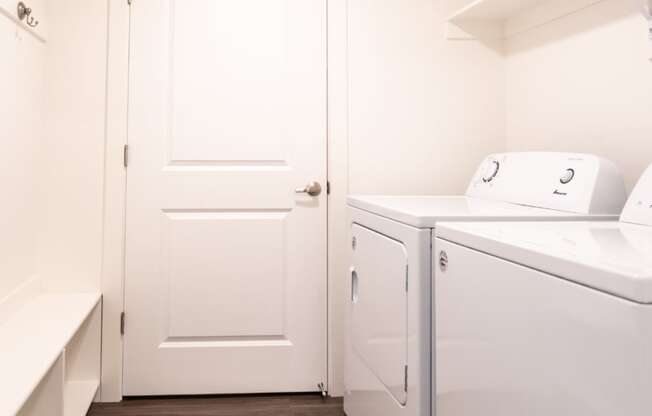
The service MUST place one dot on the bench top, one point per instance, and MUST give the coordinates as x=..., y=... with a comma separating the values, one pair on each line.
x=32, y=339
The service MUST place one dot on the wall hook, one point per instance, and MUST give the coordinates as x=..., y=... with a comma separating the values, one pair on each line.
x=25, y=13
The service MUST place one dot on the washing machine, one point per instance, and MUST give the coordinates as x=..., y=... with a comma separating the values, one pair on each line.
x=545, y=319
x=388, y=317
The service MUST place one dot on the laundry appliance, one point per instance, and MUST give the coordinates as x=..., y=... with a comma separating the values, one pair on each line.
x=388, y=317
x=544, y=319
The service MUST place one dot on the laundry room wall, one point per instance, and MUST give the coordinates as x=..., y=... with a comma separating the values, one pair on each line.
x=423, y=111
x=21, y=138
x=70, y=243
x=583, y=84
x=52, y=109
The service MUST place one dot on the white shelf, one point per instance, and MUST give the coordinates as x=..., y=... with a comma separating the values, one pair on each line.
x=78, y=396
x=494, y=9
x=504, y=18
x=33, y=338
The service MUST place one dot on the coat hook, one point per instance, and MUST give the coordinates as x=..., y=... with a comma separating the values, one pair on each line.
x=25, y=13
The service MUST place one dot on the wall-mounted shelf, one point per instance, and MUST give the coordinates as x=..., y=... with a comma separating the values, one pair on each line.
x=494, y=9
x=500, y=19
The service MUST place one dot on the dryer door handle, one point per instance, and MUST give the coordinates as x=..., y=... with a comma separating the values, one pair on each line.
x=354, y=286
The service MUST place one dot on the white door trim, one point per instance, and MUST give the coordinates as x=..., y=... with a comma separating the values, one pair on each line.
x=112, y=284
x=114, y=199
x=338, y=174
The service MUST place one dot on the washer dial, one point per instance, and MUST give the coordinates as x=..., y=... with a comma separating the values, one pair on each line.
x=491, y=171
x=567, y=176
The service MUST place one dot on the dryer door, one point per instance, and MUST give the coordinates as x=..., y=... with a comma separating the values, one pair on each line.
x=379, y=308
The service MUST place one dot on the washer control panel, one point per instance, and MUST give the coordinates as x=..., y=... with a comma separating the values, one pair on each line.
x=563, y=181
x=639, y=206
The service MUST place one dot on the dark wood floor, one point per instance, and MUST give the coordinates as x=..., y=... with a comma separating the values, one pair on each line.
x=277, y=405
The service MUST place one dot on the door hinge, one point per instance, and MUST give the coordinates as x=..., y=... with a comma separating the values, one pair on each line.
x=125, y=155
x=407, y=274
x=406, y=378
x=328, y=188
x=122, y=323
x=129, y=2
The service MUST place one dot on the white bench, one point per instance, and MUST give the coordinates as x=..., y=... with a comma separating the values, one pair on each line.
x=50, y=354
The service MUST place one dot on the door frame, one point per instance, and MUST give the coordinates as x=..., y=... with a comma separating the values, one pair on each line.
x=115, y=181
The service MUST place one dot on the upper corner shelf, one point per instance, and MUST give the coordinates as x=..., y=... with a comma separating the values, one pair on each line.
x=493, y=9
x=505, y=18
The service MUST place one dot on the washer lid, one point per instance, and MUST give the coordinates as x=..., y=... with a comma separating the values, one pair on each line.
x=426, y=211
x=609, y=256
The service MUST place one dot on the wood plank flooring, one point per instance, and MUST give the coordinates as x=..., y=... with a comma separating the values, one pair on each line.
x=276, y=405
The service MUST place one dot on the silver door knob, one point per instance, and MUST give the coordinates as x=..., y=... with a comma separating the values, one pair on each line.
x=312, y=189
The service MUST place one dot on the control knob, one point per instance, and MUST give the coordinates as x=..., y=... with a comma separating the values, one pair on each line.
x=567, y=176
x=491, y=171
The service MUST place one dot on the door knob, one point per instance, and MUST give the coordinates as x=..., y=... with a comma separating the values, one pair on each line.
x=312, y=189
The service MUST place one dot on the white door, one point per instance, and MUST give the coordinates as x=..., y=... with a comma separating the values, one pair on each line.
x=226, y=262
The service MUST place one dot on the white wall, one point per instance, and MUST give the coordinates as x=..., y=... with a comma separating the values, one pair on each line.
x=584, y=83
x=21, y=122
x=52, y=111
x=422, y=112
x=70, y=247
